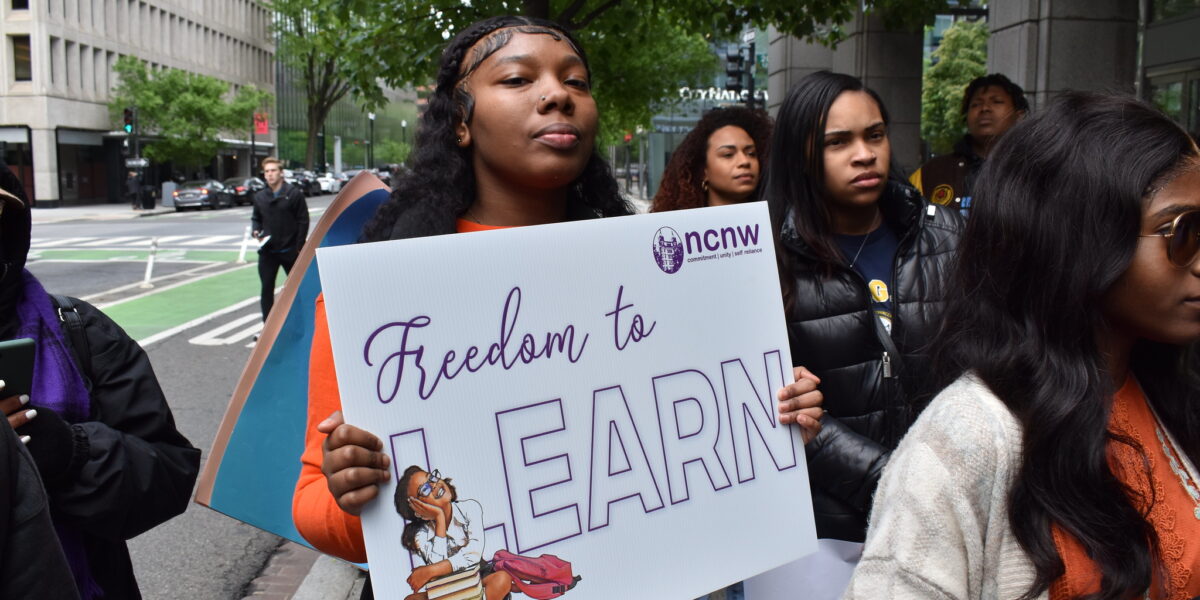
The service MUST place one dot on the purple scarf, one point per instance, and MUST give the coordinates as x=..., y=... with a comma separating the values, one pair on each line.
x=57, y=385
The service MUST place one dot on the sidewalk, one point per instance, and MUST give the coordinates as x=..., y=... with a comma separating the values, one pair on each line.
x=94, y=212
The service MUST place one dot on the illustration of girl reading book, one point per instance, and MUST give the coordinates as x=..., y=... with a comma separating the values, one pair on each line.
x=448, y=536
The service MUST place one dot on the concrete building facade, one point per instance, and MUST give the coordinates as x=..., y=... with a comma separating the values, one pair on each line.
x=56, y=71
x=888, y=62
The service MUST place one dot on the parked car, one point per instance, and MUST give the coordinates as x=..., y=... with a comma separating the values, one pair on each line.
x=308, y=182
x=202, y=193
x=331, y=182
x=244, y=188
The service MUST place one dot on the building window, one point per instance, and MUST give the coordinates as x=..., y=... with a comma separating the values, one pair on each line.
x=20, y=4
x=1165, y=9
x=22, y=63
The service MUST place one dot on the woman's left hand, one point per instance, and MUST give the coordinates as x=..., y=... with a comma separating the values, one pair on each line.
x=800, y=403
x=420, y=576
x=424, y=510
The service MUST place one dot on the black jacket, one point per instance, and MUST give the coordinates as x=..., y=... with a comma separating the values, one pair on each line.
x=834, y=333
x=285, y=219
x=137, y=470
x=32, y=564
x=949, y=179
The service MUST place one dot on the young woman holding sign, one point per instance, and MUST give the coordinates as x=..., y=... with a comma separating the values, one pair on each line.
x=507, y=140
x=1060, y=461
x=862, y=258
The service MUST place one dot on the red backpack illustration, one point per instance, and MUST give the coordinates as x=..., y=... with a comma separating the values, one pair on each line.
x=546, y=576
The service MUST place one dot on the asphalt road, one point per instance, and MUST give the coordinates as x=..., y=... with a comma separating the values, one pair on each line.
x=200, y=554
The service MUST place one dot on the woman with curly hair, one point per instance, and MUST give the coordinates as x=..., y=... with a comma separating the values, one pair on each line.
x=1059, y=461
x=719, y=161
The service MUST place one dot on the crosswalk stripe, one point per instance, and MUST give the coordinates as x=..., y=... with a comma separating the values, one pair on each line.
x=53, y=243
x=136, y=241
x=209, y=240
x=114, y=241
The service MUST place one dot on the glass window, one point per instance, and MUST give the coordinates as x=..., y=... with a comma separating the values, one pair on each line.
x=20, y=4
x=22, y=64
x=1168, y=97
x=1165, y=9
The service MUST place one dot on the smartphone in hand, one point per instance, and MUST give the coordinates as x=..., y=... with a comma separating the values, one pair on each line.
x=16, y=366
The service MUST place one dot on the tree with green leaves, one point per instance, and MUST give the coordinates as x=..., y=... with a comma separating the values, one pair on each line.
x=641, y=51
x=961, y=57
x=185, y=112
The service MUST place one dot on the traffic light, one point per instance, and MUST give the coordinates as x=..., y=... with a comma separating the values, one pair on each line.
x=129, y=120
x=734, y=69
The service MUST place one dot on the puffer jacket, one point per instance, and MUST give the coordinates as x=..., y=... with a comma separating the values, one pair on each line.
x=874, y=386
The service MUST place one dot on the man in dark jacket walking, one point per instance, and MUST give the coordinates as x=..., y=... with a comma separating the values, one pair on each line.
x=280, y=224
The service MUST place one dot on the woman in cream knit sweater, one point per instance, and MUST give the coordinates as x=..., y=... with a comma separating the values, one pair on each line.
x=1059, y=461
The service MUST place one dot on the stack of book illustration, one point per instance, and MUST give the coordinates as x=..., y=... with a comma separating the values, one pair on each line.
x=463, y=585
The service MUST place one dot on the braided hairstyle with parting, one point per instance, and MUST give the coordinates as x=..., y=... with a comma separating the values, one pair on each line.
x=442, y=179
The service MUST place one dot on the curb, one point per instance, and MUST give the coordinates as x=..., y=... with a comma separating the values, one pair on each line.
x=331, y=579
x=298, y=572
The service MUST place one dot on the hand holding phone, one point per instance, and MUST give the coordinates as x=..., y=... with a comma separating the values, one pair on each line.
x=16, y=381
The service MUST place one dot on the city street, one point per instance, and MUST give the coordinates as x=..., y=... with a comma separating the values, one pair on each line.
x=197, y=323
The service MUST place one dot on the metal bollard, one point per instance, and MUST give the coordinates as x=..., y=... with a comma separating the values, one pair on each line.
x=245, y=243
x=150, y=264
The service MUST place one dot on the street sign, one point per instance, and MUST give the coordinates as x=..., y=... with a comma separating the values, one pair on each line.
x=137, y=162
x=261, y=125
x=748, y=36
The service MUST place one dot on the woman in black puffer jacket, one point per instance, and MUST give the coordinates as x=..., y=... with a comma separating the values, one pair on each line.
x=862, y=259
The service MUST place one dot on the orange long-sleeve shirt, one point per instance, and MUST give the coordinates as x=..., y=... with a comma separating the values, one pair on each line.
x=316, y=514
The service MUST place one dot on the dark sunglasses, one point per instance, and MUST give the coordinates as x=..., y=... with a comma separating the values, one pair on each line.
x=1183, y=238
x=427, y=488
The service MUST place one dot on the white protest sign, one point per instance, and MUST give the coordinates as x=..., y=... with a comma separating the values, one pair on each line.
x=599, y=391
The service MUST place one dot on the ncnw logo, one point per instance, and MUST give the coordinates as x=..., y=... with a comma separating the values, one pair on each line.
x=721, y=239
x=670, y=248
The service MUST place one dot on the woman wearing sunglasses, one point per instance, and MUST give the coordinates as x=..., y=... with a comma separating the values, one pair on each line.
x=447, y=534
x=1060, y=461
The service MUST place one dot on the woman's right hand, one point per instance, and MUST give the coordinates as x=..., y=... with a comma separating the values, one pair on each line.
x=15, y=408
x=353, y=463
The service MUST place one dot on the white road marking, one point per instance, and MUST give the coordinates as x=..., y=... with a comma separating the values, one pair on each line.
x=63, y=242
x=211, y=240
x=115, y=241
x=217, y=337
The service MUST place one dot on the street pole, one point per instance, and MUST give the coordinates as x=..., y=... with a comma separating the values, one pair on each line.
x=371, y=141
x=137, y=126
x=748, y=38
x=750, y=71
x=253, y=130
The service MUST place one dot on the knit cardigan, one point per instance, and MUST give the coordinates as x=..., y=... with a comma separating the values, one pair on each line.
x=939, y=524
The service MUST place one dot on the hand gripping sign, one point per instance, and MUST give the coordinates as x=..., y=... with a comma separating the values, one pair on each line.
x=599, y=394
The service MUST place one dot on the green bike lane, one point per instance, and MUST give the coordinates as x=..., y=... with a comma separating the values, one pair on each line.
x=150, y=315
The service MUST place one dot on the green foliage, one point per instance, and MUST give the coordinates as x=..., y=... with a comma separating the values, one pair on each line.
x=391, y=151
x=641, y=51
x=186, y=112
x=961, y=57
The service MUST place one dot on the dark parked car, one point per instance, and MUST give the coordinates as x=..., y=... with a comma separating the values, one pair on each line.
x=202, y=193
x=244, y=188
x=307, y=180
